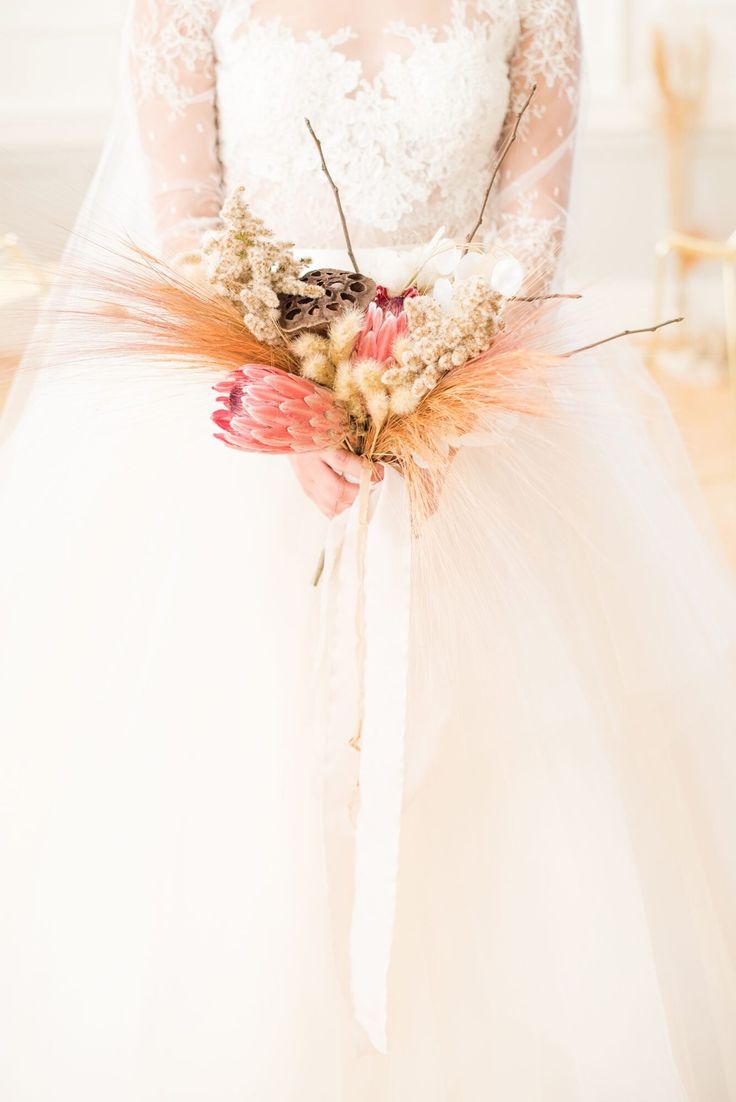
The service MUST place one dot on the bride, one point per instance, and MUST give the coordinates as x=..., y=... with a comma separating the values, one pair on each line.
x=523, y=886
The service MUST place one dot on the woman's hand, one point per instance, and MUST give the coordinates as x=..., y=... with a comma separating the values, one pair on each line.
x=330, y=478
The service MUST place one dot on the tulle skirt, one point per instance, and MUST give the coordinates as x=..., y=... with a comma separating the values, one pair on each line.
x=175, y=909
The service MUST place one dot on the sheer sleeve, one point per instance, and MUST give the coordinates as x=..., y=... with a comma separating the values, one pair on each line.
x=172, y=75
x=531, y=204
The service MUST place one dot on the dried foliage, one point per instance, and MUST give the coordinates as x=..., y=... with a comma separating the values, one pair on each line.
x=422, y=444
x=141, y=307
x=248, y=266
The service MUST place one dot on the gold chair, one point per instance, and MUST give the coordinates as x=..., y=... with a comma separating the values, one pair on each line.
x=20, y=274
x=23, y=283
x=689, y=250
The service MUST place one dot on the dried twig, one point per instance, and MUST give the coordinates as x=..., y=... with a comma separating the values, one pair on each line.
x=618, y=336
x=499, y=165
x=540, y=298
x=336, y=193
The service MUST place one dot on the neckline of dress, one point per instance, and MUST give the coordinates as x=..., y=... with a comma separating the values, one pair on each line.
x=417, y=35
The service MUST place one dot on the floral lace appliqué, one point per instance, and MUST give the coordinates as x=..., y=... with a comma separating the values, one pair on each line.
x=411, y=147
x=548, y=50
x=172, y=39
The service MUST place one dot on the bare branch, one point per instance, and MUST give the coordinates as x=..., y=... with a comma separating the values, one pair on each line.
x=541, y=298
x=499, y=165
x=336, y=193
x=618, y=336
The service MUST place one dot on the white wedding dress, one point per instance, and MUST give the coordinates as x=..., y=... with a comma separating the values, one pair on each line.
x=199, y=902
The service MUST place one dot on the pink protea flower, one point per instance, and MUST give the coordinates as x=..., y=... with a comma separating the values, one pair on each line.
x=381, y=328
x=265, y=409
x=393, y=304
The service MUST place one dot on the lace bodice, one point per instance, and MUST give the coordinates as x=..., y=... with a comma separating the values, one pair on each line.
x=410, y=115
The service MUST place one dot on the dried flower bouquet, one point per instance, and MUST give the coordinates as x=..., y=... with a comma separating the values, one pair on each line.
x=315, y=359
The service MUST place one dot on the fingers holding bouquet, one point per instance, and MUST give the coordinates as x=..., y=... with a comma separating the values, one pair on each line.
x=331, y=478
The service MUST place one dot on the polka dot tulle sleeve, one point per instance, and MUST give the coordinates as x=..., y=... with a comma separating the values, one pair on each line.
x=172, y=69
x=531, y=204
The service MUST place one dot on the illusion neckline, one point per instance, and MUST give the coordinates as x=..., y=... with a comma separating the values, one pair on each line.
x=418, y=35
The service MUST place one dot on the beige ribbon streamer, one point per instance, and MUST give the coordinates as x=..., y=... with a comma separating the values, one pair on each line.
x=363, y=507
x=365, y=602
x=382, y=622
